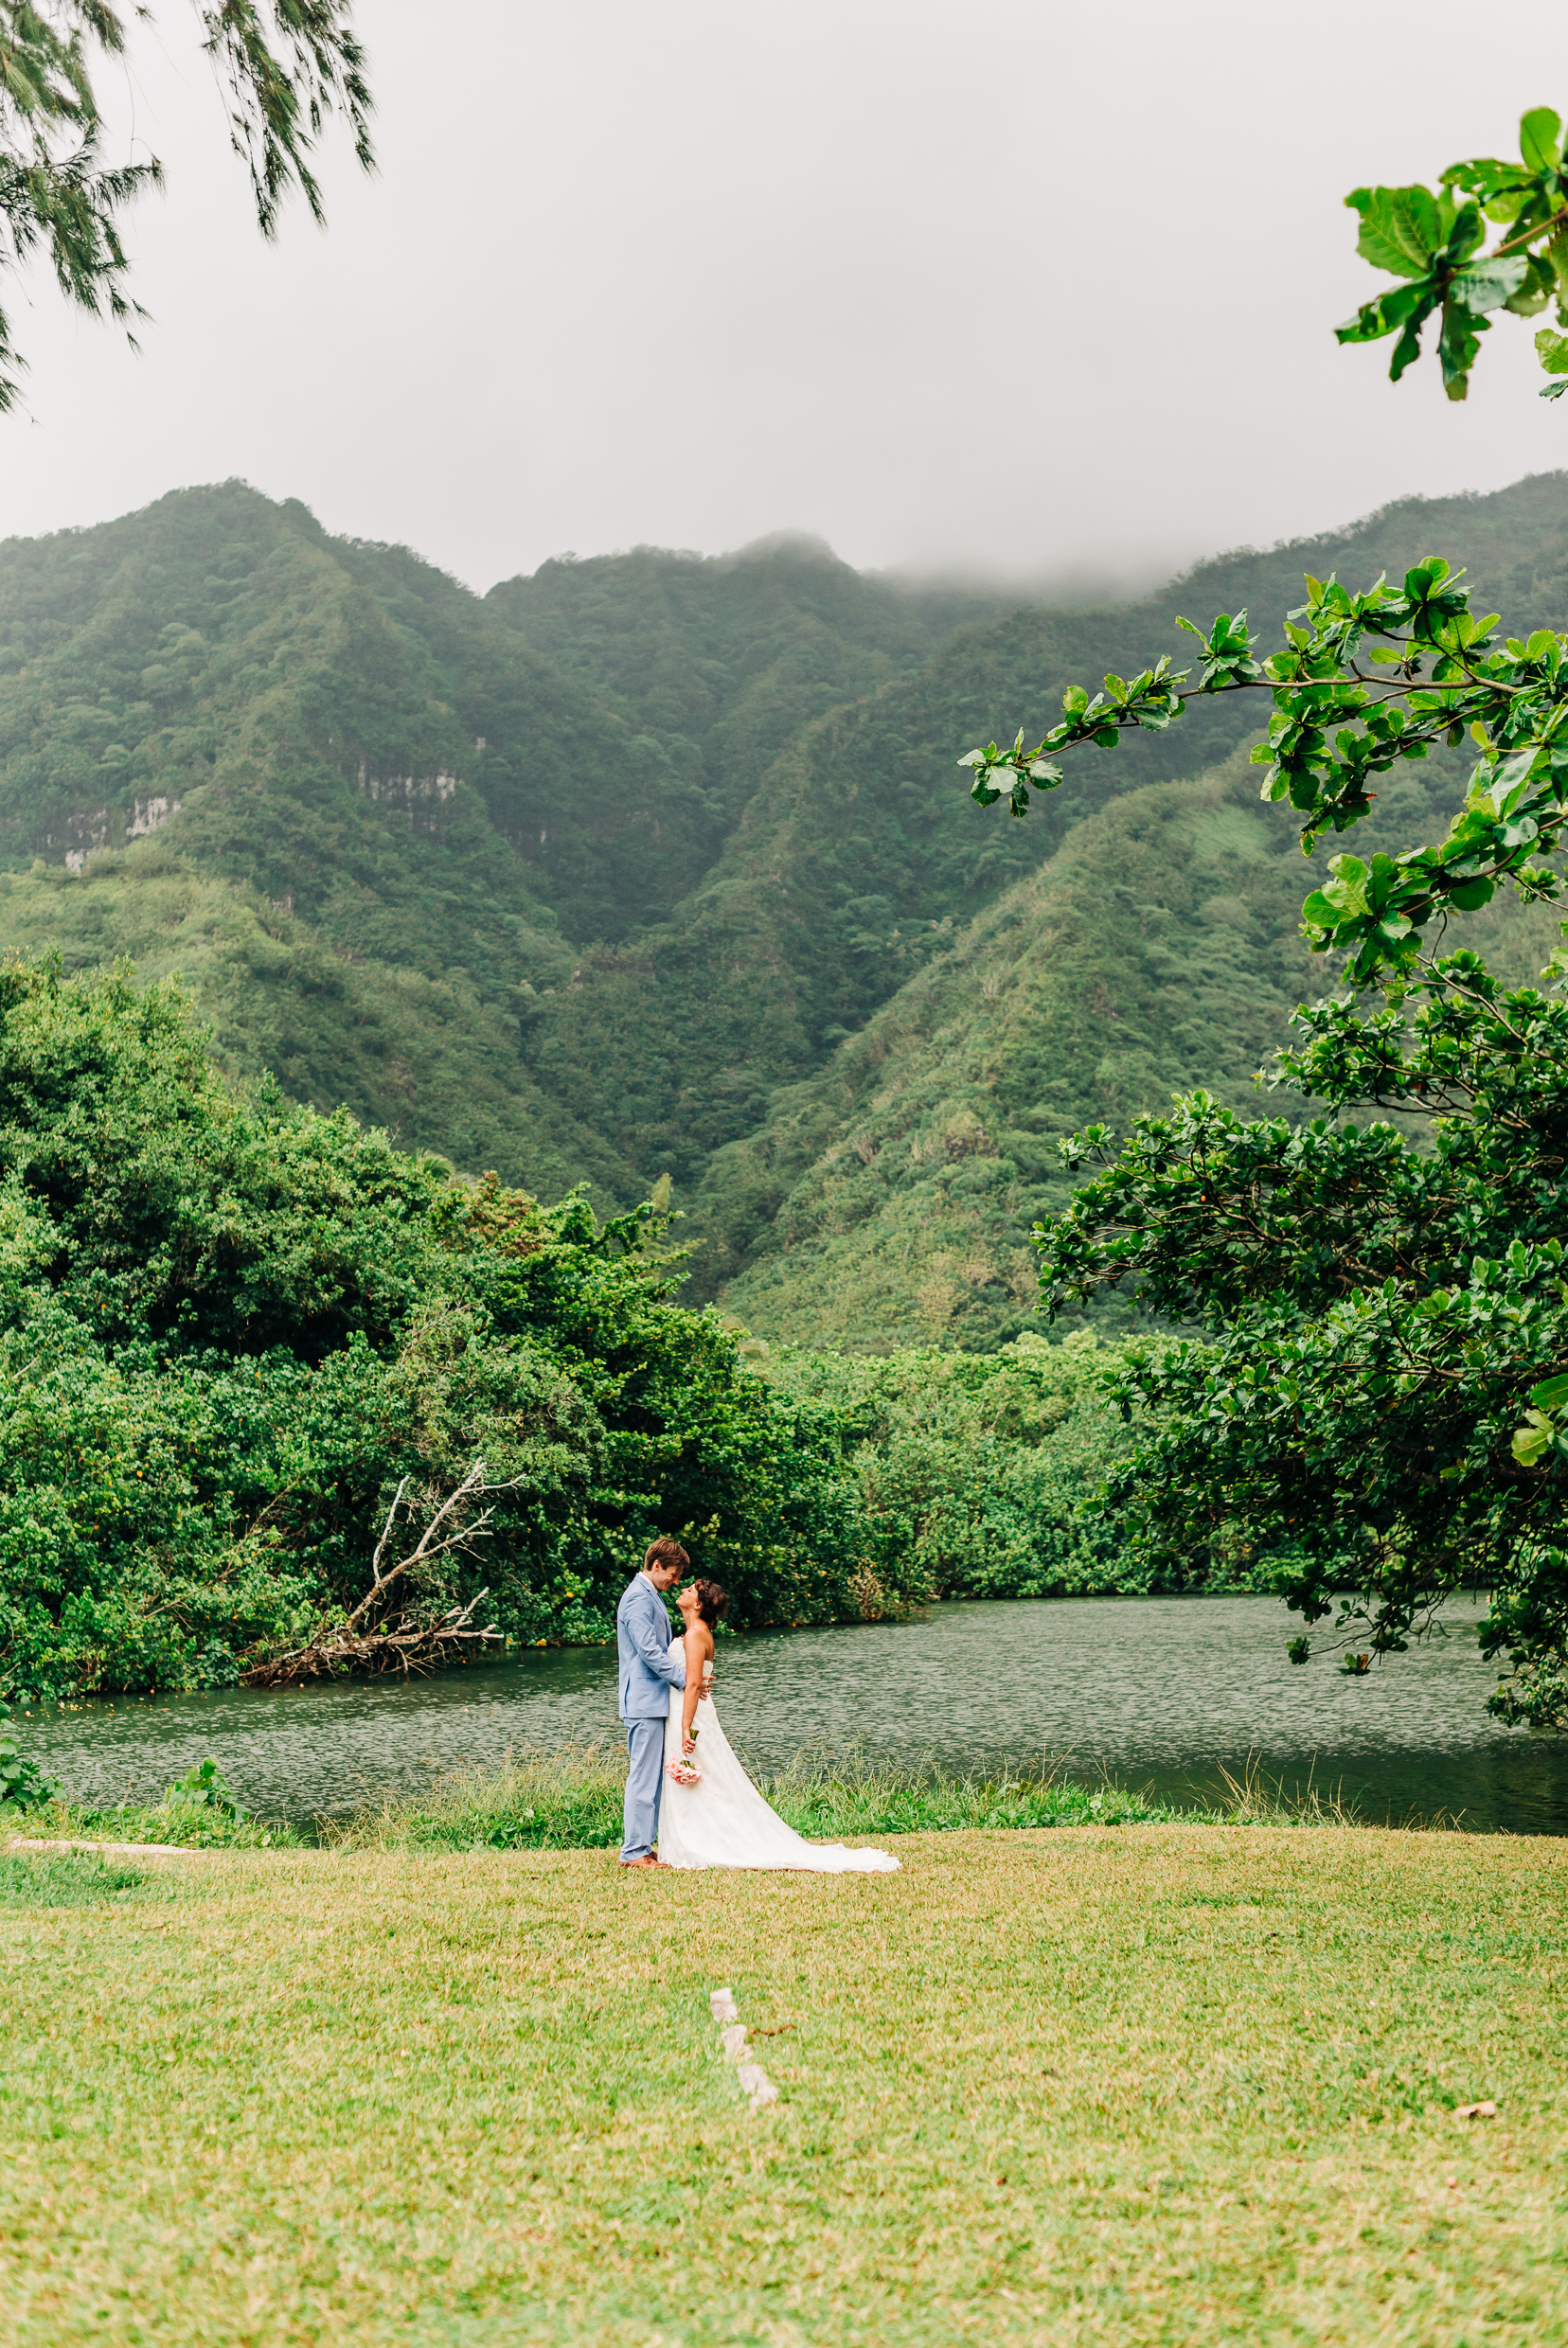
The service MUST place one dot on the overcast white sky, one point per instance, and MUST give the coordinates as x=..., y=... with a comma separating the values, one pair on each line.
x=1004, y=284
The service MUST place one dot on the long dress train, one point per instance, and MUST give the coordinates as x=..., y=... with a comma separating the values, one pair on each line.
x=723, y=1822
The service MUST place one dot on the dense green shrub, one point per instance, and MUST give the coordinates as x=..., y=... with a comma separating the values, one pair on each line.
x=975, y=1475
x=230, y=1328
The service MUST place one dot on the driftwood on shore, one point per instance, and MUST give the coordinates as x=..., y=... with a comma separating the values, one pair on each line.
x=367, y=1642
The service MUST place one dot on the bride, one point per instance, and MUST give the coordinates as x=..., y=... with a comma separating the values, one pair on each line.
x=711, y=1814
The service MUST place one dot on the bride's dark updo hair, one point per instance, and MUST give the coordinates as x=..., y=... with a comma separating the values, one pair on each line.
x=711, y=1600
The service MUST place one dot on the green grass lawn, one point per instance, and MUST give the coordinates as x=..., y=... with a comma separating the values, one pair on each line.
x=1170, y=2082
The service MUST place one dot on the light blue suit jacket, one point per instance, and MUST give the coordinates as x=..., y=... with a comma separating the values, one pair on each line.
x=649, y=1666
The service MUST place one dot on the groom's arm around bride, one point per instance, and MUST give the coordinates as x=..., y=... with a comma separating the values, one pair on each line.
x=649, y=1668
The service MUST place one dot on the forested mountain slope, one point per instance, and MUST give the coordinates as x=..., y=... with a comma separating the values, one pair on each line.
x=258, y=766
x=651, y=864
x=723, y=662
x=361, y=811
x=862, y=857
x=888, y=1201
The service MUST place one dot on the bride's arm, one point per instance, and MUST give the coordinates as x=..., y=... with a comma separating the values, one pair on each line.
x=693, y=1644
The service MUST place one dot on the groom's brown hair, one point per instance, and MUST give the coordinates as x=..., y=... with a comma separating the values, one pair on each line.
x=665, y=1552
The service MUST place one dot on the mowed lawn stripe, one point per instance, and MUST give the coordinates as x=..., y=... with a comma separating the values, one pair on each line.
x=1150, y=2084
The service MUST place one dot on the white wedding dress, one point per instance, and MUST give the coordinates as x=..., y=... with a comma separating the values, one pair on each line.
x=723, y=1822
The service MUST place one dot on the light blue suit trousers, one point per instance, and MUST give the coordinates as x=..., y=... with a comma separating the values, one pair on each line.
x=649, y=1668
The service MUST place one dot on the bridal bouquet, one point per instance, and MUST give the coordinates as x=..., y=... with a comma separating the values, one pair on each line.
x=683, y=1769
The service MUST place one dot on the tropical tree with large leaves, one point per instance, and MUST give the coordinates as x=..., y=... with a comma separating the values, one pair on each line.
x=285, y=66
x=1368, y=1406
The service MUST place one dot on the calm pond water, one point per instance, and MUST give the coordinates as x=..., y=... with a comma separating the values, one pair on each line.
x=1158, y=1691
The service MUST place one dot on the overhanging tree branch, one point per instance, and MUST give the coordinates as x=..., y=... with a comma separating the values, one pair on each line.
x=286, y=66
x=1329, y=738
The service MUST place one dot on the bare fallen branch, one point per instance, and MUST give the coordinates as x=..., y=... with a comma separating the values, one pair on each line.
x=410, y=1647
x=344, y=1646
x=473, y=1483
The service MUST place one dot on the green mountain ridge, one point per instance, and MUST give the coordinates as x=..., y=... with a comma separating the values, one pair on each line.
x=895, y=1193
x=657, y=864
x=862, y=857
x=361, y=778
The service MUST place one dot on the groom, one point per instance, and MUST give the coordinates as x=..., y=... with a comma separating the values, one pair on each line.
x=648, y=1670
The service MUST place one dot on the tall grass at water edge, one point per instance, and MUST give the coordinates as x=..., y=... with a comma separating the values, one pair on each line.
x=199, y=1812
x=570, y=1799
x=162, y=1822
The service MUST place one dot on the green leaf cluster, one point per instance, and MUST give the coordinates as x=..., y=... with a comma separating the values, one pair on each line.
x=1431, y=242
x=23, y=1783
x=203, y=1788
x=1365, y=684
x=1149, y=701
